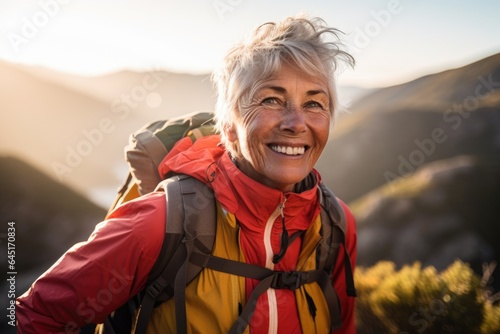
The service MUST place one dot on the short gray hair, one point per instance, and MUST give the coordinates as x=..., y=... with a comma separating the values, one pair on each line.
x=308, y=44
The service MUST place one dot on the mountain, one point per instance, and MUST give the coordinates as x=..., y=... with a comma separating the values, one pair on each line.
x=48, y=218
x=438, y=91
x=175, y=89
x=391, y=132
x=348, y=95
x=446, y=210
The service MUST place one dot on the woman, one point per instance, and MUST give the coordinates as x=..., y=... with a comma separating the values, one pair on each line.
x=276, y=103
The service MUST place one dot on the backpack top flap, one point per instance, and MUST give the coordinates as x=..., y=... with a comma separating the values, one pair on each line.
x=149, y=145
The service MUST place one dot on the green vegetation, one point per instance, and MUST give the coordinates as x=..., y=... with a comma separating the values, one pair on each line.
x=421, y=300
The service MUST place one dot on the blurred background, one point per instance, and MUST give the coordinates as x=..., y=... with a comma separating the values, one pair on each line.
x=415, y=151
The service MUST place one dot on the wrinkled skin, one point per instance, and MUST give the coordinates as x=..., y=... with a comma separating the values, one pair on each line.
x=284, y=130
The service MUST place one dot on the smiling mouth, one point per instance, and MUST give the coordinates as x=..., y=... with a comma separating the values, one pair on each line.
x=288, y=150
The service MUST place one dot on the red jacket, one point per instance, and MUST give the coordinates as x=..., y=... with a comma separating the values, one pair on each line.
x=97, y=276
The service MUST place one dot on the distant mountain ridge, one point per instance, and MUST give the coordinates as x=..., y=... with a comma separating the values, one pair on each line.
x=173, y=87
x=395, y=130
x=438, y=91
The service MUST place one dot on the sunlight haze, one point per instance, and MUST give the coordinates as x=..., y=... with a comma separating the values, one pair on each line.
x=393, y=41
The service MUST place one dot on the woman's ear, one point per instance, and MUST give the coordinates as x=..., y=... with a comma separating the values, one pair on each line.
x=232, y=133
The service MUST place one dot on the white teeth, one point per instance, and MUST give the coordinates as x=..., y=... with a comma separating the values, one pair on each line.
x=288, y=150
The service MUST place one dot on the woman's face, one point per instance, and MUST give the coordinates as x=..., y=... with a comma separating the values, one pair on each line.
x=283, y=131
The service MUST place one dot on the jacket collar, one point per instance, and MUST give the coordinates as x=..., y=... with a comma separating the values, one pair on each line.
x=253, y=202
x=248, y=199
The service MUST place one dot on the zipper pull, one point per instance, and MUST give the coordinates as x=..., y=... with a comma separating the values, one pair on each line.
x=284, y=236
x=282, y=207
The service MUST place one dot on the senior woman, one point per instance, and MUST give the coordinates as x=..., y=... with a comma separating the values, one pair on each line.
x=276, y=102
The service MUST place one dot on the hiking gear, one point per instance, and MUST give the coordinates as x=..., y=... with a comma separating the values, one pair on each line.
x=199, y=234
x=187, y=250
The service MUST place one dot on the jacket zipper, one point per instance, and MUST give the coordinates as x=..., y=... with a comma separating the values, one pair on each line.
x=271, y=293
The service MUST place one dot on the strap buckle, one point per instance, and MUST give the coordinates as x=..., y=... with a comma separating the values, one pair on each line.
x=288, y=280
x=156, y=288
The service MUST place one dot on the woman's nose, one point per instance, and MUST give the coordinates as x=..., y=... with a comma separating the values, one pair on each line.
x=293, y=120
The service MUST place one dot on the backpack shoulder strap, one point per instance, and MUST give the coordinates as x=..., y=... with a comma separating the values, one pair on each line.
x=333, y=228
x=190, y=227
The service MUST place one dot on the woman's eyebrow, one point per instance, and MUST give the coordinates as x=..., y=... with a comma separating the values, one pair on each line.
x=282, y=90
x=316, y=92
x=278, y=89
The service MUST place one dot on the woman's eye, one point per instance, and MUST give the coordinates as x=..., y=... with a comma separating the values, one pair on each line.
x=270, y=100
x=314, y=104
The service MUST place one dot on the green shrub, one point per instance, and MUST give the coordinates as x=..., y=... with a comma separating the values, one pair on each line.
x=491, y=324
x=421, y=300
x=367, y=282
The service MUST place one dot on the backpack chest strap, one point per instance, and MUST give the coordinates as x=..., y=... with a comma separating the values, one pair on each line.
x=270, y=279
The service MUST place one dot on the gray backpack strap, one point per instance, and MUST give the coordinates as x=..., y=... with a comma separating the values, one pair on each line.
x=333, y=228
x=190, y=227
x=197, y=204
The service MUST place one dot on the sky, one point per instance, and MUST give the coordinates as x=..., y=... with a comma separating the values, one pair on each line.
x=393, y=41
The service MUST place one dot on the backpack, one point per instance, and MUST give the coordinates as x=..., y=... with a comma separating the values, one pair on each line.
x=149, y=145
x=190, y=235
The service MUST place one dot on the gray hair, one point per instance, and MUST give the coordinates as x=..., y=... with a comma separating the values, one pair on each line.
x=308, y=44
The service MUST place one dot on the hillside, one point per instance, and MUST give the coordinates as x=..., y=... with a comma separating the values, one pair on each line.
x=391, y=132
x=48, y=215
x=446, y=210
x=49, y=218
x=436, y=91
